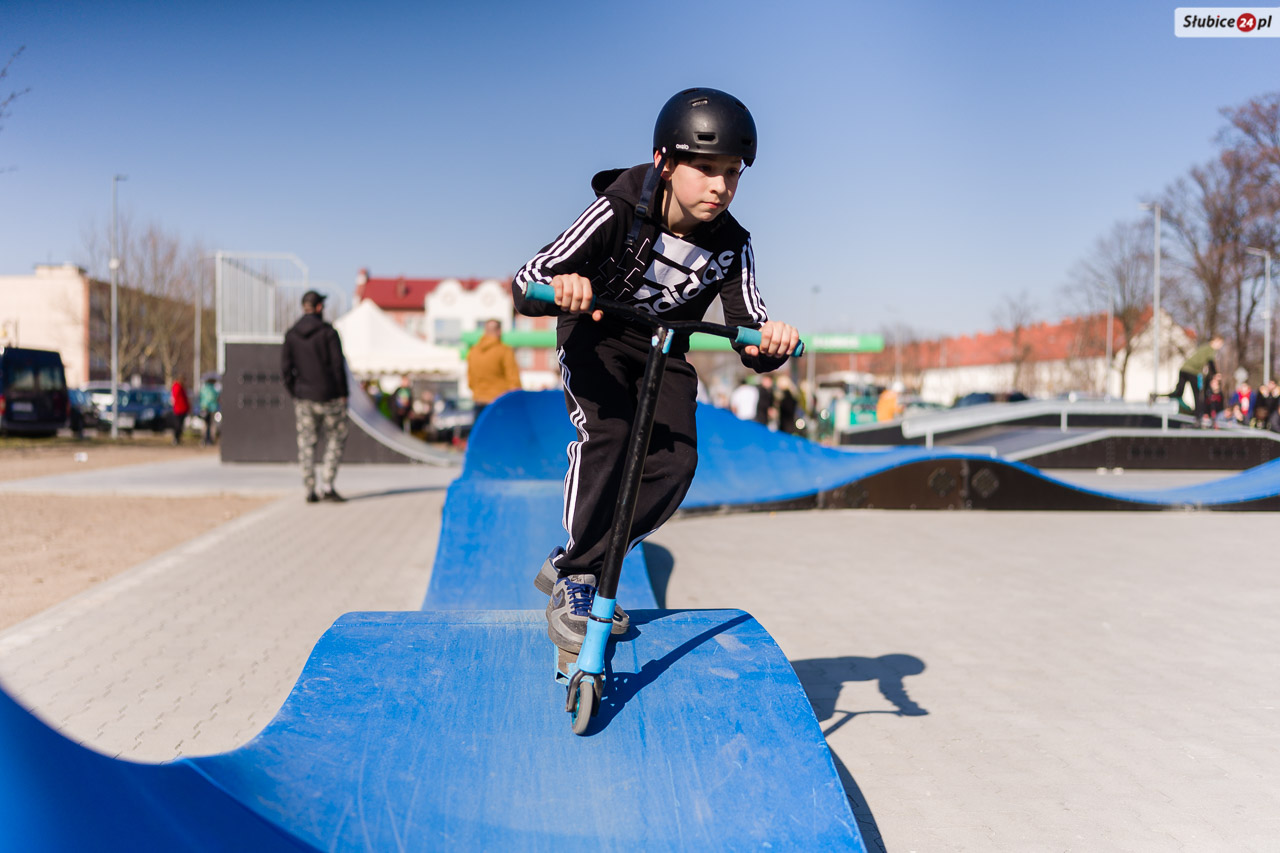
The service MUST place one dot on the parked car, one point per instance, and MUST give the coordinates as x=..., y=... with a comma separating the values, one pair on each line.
x=978, y=398
x=452, y=420
x=33, y=392
x=84, y=412
x=147, y=407
x=913, y=405
x=100, y=394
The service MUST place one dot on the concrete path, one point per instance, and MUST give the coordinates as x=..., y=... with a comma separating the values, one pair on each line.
x=193, y=652
x=207, y=476
x=1022, y=681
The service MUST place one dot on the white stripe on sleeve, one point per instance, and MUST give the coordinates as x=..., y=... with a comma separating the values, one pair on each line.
x=566, y=244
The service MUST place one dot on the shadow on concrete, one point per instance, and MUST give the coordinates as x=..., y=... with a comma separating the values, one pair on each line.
x=387, y=493
x=661, y=564
x=823, y=679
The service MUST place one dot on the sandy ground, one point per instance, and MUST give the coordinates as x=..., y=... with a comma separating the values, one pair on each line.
x=56, y=546
x=24, y=458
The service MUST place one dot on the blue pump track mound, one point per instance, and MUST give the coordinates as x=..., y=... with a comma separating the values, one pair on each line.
x=743, y=466
x=443, y=729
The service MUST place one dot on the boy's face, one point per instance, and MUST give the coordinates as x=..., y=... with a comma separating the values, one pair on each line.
x=701, y=189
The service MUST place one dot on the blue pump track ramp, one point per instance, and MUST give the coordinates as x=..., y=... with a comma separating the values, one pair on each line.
x=426, y=731
x=743, y=466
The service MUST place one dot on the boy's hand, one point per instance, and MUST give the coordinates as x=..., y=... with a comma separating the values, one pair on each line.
x=573, y=294
x=776, y=339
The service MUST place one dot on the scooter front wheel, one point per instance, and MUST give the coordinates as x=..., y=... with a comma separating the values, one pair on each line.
x=584, y=705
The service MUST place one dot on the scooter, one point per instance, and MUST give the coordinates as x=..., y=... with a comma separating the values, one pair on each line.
x=583, y=674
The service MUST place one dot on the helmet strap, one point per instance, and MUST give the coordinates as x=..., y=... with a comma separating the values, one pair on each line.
x=644, y=207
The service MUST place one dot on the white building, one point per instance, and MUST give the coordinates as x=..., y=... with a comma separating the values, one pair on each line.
x=1045, y=360
x=52, y=309
x=452, y=309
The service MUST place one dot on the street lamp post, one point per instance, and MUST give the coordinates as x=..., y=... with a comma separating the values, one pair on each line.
x=115, y=310
x=811, y=426
x=1155, y=305
x=1266, y=314
x=195, y=371
x=1111, y=313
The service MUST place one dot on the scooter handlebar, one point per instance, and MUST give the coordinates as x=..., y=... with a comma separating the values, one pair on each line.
x=540, y=292
x=751, y=338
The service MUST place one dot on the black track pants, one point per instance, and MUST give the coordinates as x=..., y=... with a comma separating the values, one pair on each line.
x=1189, y=379
x=602, y=378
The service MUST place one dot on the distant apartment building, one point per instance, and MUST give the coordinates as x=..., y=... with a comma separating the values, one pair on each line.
x=59, y=308
x=1041, y=360
x=441, y=310
x=62, y=308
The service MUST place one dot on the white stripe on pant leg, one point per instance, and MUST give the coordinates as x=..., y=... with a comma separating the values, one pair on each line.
x=571, y=478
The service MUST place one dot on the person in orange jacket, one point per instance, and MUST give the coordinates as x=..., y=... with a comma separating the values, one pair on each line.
x=888, y=406
x=491, y=367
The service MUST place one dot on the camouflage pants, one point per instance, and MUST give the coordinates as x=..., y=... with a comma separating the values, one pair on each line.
x=309, y=416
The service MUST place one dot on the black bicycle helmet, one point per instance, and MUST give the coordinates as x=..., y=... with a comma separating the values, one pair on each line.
x=705, y=121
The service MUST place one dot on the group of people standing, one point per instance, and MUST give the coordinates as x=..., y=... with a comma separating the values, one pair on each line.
x=1213, y=405
x=206, y=408
x=774, y=404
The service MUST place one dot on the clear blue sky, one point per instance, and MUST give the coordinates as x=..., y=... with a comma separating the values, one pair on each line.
x=918, y=162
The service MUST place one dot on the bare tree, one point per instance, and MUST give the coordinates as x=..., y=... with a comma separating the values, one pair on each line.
x=1253, y=134
x=1253, y=138
x=7, y=101
x=162, y=279
x=1209, y=215
x=900, y=358
x=1116, y=271
x=1017, y=314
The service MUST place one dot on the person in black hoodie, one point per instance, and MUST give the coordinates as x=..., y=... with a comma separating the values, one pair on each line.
x=315, y=373
x=658, y=238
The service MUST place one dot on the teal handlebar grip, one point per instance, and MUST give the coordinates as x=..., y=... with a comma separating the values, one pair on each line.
x=540, y=292
x=751, y=338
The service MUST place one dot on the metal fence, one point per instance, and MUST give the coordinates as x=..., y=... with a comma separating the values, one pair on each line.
x=259, y=296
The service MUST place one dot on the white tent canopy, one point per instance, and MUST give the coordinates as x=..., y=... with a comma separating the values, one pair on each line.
x=374, y=343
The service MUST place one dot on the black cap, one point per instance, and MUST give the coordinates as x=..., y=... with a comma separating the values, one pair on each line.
x=311, y=299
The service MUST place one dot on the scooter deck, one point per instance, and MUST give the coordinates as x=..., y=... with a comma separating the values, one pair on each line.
x=566, y=663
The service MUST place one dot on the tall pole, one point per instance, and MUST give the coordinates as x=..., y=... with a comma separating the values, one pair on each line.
x=1155, y=311
x=199, y=300
x=1267, y=369
x=115, y=309
x=1111, y=313
x=1266, y=313
x=1155, y=305
x=812, y=366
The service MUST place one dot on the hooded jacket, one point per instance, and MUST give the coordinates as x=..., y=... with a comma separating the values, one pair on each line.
x=311, y=361
x=674, y=278
x=491, y=369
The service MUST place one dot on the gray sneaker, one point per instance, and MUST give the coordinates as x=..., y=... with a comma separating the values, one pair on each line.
x=545, y=582
x=568, y=610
